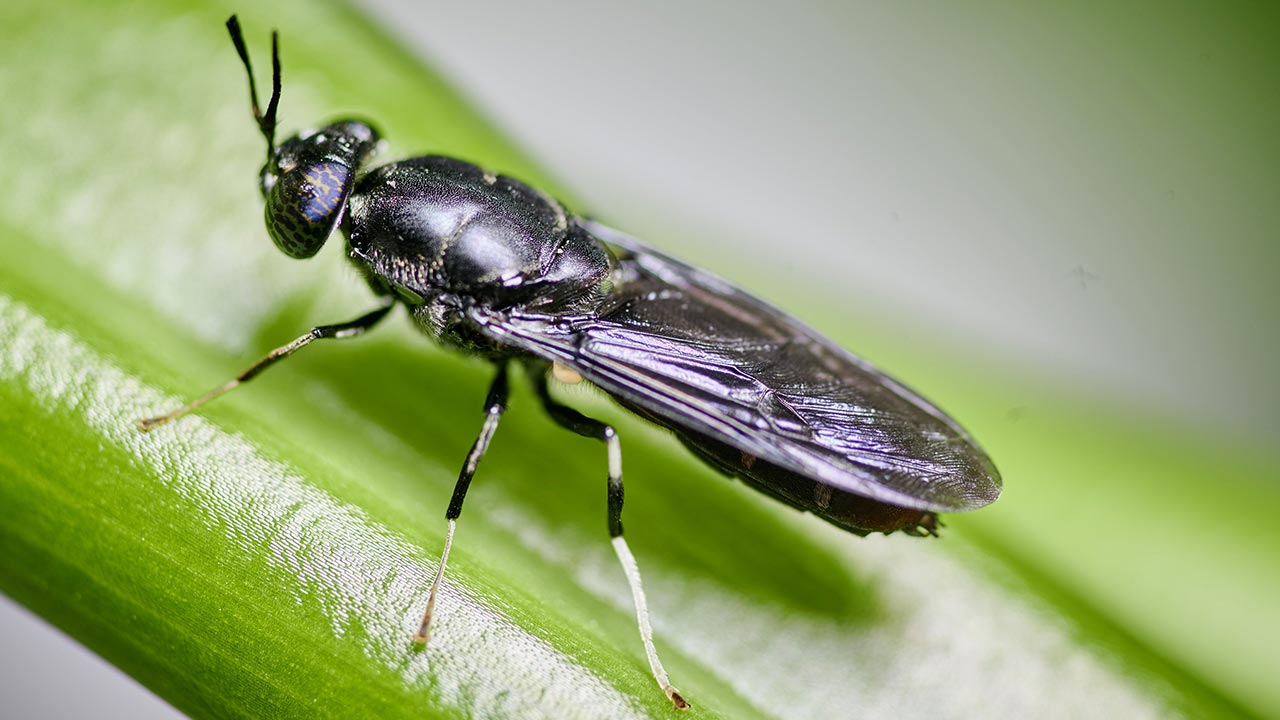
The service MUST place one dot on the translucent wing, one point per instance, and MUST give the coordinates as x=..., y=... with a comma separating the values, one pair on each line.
x=694, y=353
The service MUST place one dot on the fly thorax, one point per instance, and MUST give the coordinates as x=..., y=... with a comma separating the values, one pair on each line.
x=433, y=225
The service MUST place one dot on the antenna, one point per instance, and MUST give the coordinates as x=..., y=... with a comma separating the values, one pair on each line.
x=266, y=121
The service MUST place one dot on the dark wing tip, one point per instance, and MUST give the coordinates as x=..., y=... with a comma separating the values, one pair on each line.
x=977, y=486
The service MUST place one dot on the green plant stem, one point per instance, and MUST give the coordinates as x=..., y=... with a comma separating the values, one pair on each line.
x=269, y=556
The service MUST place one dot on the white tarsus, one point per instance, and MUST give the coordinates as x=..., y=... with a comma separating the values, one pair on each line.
x=642, y=618
x=424, y=630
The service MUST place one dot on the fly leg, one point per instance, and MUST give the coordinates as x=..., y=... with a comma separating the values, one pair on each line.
x=341, y=331
x=571, y=419
x=494, y=405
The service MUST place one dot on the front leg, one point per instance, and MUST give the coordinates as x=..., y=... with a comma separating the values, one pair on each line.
x=341, y=331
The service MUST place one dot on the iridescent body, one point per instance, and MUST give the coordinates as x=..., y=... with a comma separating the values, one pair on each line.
x=494, y=268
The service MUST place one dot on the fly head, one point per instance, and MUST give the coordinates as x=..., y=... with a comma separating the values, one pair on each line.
x=306, y=179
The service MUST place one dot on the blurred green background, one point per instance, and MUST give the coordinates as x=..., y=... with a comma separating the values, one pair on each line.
x=1059, y=223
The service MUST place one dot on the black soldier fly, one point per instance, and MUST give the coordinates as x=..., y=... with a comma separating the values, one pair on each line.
x=496, y=269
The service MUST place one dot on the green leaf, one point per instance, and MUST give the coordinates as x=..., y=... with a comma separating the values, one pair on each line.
x=270, y=556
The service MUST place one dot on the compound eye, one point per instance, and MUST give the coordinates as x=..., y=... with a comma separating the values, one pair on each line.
x=307, y=183
x=305, y=205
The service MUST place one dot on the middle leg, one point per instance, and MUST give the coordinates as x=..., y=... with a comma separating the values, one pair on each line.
x=571, y=419
x=494, y=405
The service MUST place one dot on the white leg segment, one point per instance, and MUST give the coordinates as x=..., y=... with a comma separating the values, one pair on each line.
x=614, y=449
x=424, y=630
x=642, y=618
